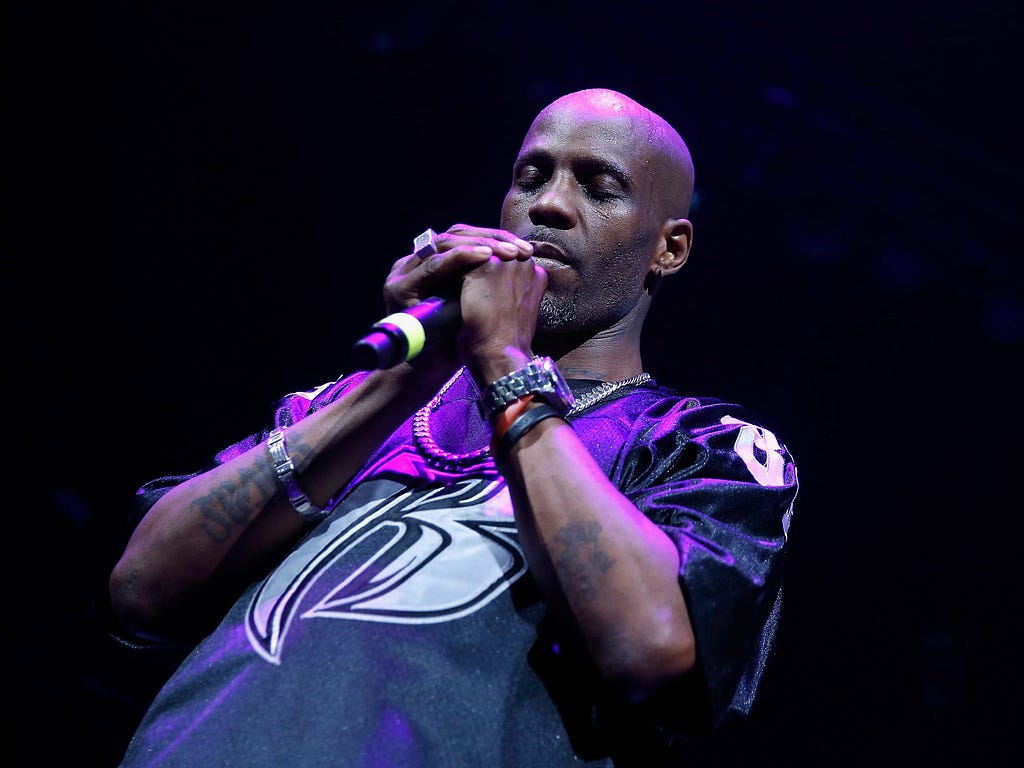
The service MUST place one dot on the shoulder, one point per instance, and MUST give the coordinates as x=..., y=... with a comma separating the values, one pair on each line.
x=664, y=407
x=705, y=419
x=692, y=430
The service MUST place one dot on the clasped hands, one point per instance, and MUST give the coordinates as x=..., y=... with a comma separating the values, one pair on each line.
x=499, y=287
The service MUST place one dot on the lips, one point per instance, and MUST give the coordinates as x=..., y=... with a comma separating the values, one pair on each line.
x=548, y=253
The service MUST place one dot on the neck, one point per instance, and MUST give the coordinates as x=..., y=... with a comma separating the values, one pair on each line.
x=602, y=357
x=609, y=354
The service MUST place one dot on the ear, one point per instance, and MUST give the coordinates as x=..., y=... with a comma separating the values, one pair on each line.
x=677, y=235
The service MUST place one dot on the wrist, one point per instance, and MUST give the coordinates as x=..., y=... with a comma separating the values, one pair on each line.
x=515, y=424
x=539, y=377
x=284, y=471
x=503, y=419
x=416, y=379
x=491, y=366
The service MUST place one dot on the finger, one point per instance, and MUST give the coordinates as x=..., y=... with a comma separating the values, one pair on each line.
x=405, y=265
x=504, y=244
x=454, y=262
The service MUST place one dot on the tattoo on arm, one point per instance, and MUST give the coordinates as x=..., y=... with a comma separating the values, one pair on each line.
x=230, y=505
x=580, y=557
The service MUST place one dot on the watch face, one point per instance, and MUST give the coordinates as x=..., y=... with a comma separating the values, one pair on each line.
x=562, y=393
x=553, y=388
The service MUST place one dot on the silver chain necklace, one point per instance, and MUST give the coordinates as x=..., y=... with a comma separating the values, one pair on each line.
x=451, y=461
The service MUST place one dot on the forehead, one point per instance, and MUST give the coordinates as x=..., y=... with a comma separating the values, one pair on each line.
x=587, y=130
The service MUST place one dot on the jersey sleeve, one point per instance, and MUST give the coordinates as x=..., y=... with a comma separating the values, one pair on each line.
x=723, y=489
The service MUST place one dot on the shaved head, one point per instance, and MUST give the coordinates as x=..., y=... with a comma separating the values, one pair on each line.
x=668, y=153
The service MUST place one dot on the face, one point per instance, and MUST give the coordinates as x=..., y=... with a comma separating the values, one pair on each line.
x=583, y=192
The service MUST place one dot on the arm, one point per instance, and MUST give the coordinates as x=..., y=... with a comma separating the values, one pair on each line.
x=607, y=570
x=718, y=487
x=601, y=563
x=205, y=537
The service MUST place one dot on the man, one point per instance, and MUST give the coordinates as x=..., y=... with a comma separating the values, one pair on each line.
x=514, y=548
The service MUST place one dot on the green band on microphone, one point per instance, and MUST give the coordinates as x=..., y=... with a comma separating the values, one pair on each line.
x=413, y=330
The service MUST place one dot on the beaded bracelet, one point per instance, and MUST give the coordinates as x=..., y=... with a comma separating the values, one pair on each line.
x=521, y=425
x=285, y=471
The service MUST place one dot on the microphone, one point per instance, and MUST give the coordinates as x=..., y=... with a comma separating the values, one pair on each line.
x=403, y=335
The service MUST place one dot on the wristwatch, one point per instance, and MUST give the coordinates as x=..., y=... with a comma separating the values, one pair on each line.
x=540, y=377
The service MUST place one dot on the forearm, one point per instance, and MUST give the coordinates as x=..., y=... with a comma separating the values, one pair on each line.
x=213, y=531
x=600, y=562
x=164, y=581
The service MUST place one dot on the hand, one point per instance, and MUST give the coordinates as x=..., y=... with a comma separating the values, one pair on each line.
x=461, y=249
x=492, y=273
x=499, y=301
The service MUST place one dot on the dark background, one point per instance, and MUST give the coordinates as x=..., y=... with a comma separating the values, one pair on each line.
x=203, y=200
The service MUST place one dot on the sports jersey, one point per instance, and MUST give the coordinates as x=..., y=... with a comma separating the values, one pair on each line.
x=405, y=629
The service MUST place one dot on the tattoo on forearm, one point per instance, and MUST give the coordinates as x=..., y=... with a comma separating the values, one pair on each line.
x=580, y=558
x=230, y=505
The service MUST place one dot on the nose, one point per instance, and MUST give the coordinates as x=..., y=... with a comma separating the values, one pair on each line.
x=554, y=206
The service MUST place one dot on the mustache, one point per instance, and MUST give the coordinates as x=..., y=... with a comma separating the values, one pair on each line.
x=555, y=238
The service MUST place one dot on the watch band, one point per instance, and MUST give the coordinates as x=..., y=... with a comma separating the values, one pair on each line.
x=540, y=377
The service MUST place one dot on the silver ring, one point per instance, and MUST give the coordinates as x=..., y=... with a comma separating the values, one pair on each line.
x=425, y=245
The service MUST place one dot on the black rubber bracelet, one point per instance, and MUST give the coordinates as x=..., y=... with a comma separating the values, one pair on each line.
x=524, y=423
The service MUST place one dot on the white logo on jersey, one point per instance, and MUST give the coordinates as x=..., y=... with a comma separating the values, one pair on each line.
x=769, y=470
x=394, y=555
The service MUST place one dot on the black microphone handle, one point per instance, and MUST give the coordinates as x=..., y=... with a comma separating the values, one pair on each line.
x=403, y=335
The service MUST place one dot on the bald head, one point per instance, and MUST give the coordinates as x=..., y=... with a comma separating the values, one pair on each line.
x=667, y=153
